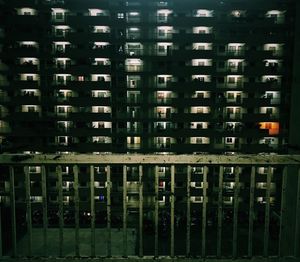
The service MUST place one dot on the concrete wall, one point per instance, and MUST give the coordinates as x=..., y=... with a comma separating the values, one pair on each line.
x=295, y=96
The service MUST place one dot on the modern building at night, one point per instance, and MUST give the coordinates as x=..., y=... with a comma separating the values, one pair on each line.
x=194, y=77
x=146, y=76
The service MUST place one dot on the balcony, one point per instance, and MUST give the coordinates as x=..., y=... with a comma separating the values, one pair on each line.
x=23, y=84
x=88, y=85
x=260, y=117
x=26, y=68
x=179, y=37
x=239, y=220
x=88, y=116
x=86, y=21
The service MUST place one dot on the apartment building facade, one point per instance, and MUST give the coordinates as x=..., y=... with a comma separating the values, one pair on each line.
x=146, y=76
x=151, y=77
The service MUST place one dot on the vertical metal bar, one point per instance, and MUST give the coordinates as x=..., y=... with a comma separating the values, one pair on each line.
x=108, y=211
x=60, y=209
x=0, y=233
x=188, y=211
x=235, y=210
x=172, y=208
x=297, y=226
x=45, y=211
x=220, y=211
x=251, y=212
x=204, y=211
x=156, y=213
x=92, y=191
x=28, y=209
x=140, y=210
x=124, y=210
x=282, y=210
x=267, y=212
x=76, y=202
x=13, y=210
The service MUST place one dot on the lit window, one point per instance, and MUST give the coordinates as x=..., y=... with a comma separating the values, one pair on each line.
x=229, y=140
x=273, y=127
x=200, y=110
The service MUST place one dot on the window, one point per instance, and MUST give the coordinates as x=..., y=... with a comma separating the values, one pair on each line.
x=231, y=80
x=31, y=109
x=161, y=32
x=230, y=110
x=59, y=16
x=62, y=139
x=230, y=96
x=199, y=140
x=161, y=80
x=229, y=140
x=132, y=83
x=200, y=110
x=269, y=111
x=61, y=109
x=200, y=126
x=29, y=78
x=59, y=32
x=200, y=95
x=161, y=48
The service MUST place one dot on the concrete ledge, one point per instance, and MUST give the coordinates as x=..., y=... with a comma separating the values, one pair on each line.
x=150, y=259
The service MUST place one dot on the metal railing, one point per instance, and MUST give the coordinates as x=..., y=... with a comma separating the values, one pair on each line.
x=147, y=205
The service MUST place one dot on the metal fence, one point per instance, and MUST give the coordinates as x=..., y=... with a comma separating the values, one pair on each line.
x=137, y=206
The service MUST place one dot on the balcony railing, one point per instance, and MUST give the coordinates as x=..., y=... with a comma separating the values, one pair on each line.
x=165, y=216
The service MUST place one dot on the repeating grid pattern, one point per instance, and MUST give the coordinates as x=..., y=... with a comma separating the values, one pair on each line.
x=236, y=210
x=146, y=76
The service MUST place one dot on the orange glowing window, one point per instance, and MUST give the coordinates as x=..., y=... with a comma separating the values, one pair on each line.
x=273, y=127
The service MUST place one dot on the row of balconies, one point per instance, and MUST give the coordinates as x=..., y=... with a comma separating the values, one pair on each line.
x=107, y=51
x=174, y=132
x=105, y=18
x=88, y=116
x=138, y=100
x=194, y=85
x=150, y=68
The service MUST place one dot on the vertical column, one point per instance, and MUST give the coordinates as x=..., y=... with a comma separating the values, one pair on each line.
x=188, y=211
x=156, y=213
x=220, y=212
x=172, y=208
x=28, y=209
x=282, y=210
x=251, y=211
x=140, y=210
x=124, y=210
x=92, y=196
x=76, y=202
x=267, y=212
x=235, y=210
x=0, y=233
x=45, y=211
x=60, y=209
x=13, y=210
x=204, y=211
x=108, y=211
x=297, y=227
